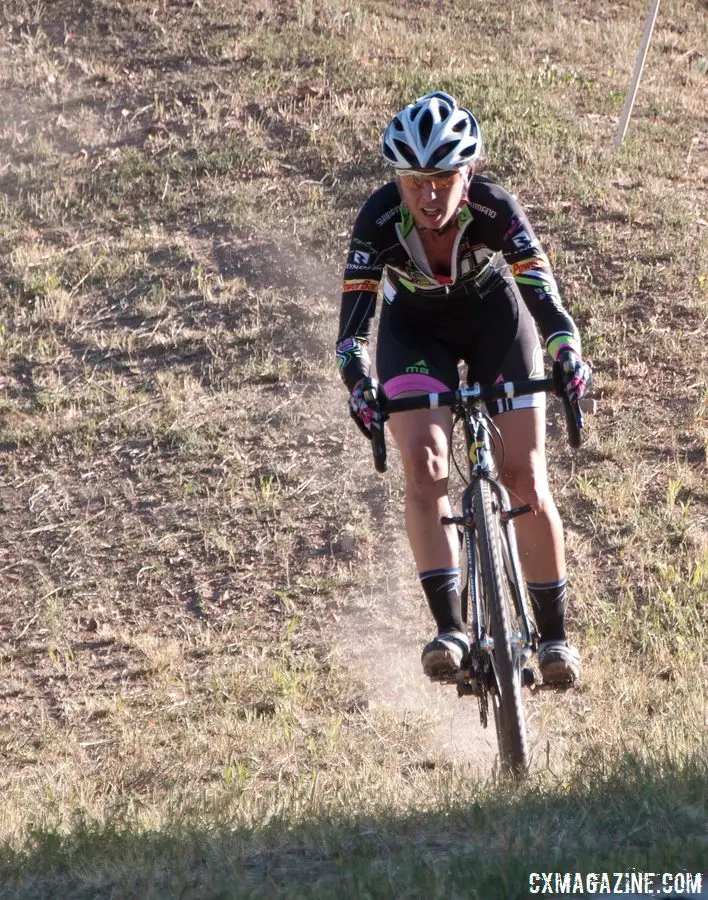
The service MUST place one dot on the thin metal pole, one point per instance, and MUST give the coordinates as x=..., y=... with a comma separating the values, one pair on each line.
x=638, y=67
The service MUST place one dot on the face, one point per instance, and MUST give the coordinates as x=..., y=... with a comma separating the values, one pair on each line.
x=433, y=197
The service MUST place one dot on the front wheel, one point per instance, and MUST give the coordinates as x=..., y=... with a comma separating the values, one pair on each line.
x=498, y=603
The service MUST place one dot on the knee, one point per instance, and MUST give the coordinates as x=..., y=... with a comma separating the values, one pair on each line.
x=426, y=468
x=528, y=484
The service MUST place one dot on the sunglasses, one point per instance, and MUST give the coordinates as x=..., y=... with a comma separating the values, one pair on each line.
x=437, y=180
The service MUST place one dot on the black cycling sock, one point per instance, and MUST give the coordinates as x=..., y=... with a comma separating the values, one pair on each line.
x=442, y=591
x=548, y=602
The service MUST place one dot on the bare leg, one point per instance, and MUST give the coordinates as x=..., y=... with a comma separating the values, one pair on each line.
x=540, y=538
x=523, y=461
x=422, y=437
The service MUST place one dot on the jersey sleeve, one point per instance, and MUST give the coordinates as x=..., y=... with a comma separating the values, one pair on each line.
x=362, y=276
x=532, y=273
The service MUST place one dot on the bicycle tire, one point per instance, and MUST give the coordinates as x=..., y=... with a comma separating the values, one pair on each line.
x=509, y=719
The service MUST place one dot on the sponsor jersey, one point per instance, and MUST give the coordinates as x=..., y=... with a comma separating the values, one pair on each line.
x=495, y=241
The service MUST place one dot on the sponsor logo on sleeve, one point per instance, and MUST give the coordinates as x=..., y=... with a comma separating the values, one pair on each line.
x=484, y=209
x=360, y=284
x=386, y=216
x=522, y=240
x=360, y=258
x=526, y=265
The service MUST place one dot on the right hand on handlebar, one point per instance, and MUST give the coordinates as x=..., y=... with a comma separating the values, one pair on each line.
x=571, y=377
x=575, y=374
x=366, y=405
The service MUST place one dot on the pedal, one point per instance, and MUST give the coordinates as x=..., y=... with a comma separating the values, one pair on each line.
x=508, y=514
x=463, y=679
x=444, y=678
x=452, y=520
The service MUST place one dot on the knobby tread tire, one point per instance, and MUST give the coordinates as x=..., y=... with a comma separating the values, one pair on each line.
x=508, y=707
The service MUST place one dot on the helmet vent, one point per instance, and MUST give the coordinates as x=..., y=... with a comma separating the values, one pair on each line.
x=406, y=152
x=442, y=152
x=426, y=126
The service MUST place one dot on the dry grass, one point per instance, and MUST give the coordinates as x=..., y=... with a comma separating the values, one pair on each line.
x=200, y=569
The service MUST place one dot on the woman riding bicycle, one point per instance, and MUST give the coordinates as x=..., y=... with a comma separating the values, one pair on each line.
x=456, y=255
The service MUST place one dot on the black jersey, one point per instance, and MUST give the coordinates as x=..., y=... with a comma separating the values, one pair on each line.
x=494, y=237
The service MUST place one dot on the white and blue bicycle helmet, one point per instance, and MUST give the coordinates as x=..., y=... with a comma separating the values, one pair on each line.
x=433, y=132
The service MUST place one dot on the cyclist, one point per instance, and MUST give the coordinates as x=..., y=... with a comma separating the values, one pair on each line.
x=463, y=279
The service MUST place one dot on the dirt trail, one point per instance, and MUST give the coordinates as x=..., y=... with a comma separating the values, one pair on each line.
x=383, y=639
x=382, y=635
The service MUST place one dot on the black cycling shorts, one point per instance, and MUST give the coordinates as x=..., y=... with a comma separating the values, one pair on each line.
x=420, y=346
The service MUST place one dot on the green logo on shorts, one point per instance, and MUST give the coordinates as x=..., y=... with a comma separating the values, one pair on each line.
x=421, y=368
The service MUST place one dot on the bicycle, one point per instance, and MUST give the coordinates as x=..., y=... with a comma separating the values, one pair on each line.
x=501, y=631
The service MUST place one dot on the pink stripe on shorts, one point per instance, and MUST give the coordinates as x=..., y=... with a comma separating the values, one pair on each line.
x=414, y=382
